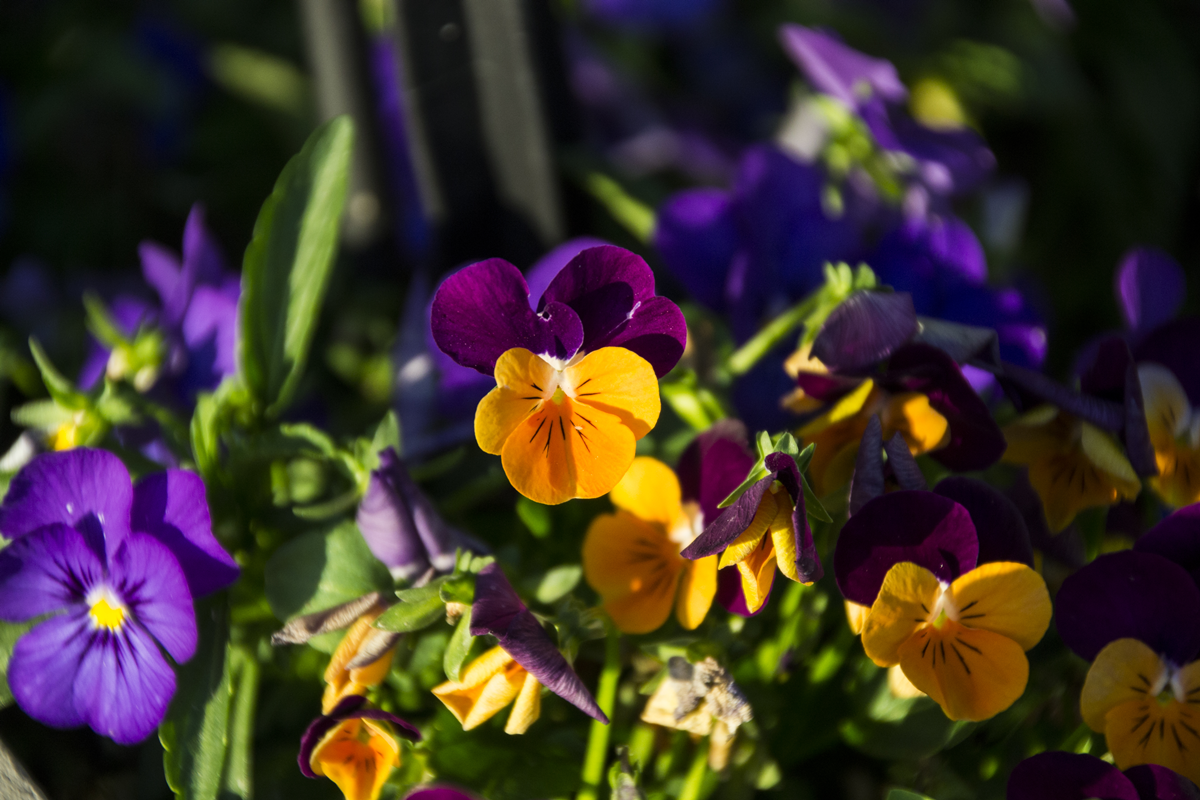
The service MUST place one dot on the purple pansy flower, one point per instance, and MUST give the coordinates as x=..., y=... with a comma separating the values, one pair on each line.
x=1075, y=776
x=116, y=566
x=499, y=612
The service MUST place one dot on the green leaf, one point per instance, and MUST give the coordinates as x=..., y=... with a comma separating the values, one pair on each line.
x=9, y=633
x=239, y=761
x=535, y=516
x=43, y=415
x=904, y=794
x=61, y=389
x=557, y=582
x=322, y=569
x=812, y=505
x=458, y=589
x=387, y=434
x=100, y=322
x=288, y=262
x=194, y=732
x=417, y=609
x=458, y=649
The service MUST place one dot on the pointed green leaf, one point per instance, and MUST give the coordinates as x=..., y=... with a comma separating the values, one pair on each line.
x=9, y=633
x=61, y=389
x=458, y=649
x=417, y=609
x=239, y=761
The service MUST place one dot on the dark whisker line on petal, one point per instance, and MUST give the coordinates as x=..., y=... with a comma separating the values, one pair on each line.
x=587, y=394
x=972, y=616
x=1143, y=679
x=942, y=644
x=562, y=429
x=539, y=429
x=968, y=645
x=585, y=419
x=549, y=433
x=1178, y=741
x=583, y=439
x=1139, y=723
x=960, y=658
x=585, y=383
x=535, y=386
x=967, y=607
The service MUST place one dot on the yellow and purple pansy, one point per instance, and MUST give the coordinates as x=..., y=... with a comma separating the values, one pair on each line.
x=576, y=380
x=355, y=747
x=1174, y=425
x=1075, y=776
x=953, y=597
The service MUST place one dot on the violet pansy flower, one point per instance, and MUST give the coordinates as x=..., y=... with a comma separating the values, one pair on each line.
x=116, y=566
x=576, y=379
x=1075, y=776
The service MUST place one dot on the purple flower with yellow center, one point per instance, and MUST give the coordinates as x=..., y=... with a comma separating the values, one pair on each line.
x=514, y=671
x=1074, y=776
x=355, y=747
x=953, y=599
x=576, y=380
x=1136, y=616
x=115, y=567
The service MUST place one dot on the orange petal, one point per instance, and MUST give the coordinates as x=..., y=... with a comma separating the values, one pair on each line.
x=651, y=491
x=749, y=540
x=522, y=381
x=696, y=592
x=910, y=415
x=972, y=674
x=357, y=757
x=635, y=569
x=1144, y=731
x=618, y=382
x=1005, y=598
x=904, y=602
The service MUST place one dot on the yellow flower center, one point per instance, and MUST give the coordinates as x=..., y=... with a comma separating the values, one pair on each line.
x=106, y=615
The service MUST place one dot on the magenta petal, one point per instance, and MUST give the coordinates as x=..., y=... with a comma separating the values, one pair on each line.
x=46, y=572
x=438, y=793
x=1068, y=776
x=1150, y=286
x=483, y=310
x=87, y=489
x=922, y=527
x=1130, y=595
x=171, y=506
x=1159, y=783
x=123, y=685
x=999, y=526
x=612, y=291
x=147, y=577
x=731, y=596
x=1176, y=538
x=44, y=664
x=546, y=268
x=866, y=328
x=836, y=69
x=713, y=465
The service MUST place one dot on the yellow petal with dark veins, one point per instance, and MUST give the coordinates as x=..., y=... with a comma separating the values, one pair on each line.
x=904, y=602
x=758, y=574
x=1124, y=670
x=634, y=567
x=697, y=589
x=1146, y=731
x=1005, y=598
x=618, y=382
x=522, y=379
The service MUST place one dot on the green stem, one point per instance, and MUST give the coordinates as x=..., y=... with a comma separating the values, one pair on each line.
x=606, y=695
x=694, y=781
x=749, y=354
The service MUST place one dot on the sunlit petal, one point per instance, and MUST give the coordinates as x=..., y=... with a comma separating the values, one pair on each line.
x=905, y=600
x=522, y=379
x=527, y=708
x=634, y=567
x=618, y=382
x=910, y=415
x=749, y=540
x=1004, y=597
x=697, y=589
x=972, y=674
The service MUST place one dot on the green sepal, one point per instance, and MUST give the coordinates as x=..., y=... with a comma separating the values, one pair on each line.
x=458, y=648
x=418, y=609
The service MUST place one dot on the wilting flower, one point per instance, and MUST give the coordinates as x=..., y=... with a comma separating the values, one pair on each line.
x=766, y=527
x=953, y=599
x=355, y=747
x=1074, y=776
x=576, y=380
x=701, y=699
x=1136, y=617
x=525, y=660
x=116, y=567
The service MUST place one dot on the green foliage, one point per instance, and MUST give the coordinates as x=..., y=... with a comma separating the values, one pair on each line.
x=418, y=608
x=458, y=648
x=9, y=633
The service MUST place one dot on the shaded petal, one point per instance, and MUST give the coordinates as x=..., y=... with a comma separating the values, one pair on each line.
x=161, y=269
x=87, y=489
x=634, y=567
x=730, y=594
x=1168, y=412
x=124, y=684
x=546, y=268
x=856, y=616
x=907, y=596
x=696, y=592
x=483, y=310
x=1068, y=776
x=1176, y=538
x=912, y=417
x=649, y=491
x=999, y=527
x=437, y=537
x=1130, y=595
x=902, y=464
x=210, y=331
x=386, y=523
x=864, y=329
x=697, y=236
x=612, y=291
x=1124, y=670
x=1159, y=783
x=918, y=527
x=1174, y=346
x=713, y=465
x=44, y=664
x=171, y=506
x=751, y=538
x=1150, y=286
x=617, y=381
x=1144, y=731
x=46, y=572
x=758, y=574
x=202, y=258
x=868, y=482
x=527, y=707
x=496, y=603
x=147, y=577
x=1005, y=598
x=835, y=69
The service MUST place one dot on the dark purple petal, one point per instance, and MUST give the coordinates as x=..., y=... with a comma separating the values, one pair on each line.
x=826, y=387
x=548, y=266
x=483, y=310
x=865, y=329
x=783, y=467
x=718, y=534
x=867, y=482
x=1159, y=783
x=1136, y=435
x=950, y=162
x=1105, y=376
x=171, y=506
x=838, y=70
x=713, y=465
x=123, y=685
x=147, y=577
x=731, y=596
x=1068, y=776
x=1176, y=538
x=1028, y=388
x=976, y=441
x=903, y=466
x=612, y=291
x=496, y=603
x=1130, y=595
x=1173, y=345
x=1150, y=286
x=697, y=236
x=350, y=707
x=44, y=664
x=924, y=528
x=438, y=793
x=999, y=526
x=45, y=572
x=87, y=489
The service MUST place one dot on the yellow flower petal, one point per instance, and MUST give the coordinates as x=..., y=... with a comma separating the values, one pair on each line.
x=1145, y=731
x=634, y=567
x=832, y=462
x=973, y=674
x=749, y=539
x=1005, y=598
x=1107, y=455
x=1068, y=483
x=357, y=757
x=1041, y=433
x=910, y=415
x=899, y=684
x=696, y=592
x=527, y=709
x=844, y=409
x=783, y=536
x=856, y=616
x=522, y=379
x=650, y=491
x=618, y=382
x=1178, y=479
x=490, y=683
x=1124, y=670
x=758, y=574
x=904, y=602
x=1168, y=413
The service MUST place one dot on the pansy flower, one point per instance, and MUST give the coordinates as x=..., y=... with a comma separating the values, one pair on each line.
x=576, y=380
x=1075, y=776
x=764, y=528
x=1136, y=616
x=524, y=661
x=953, y=599
x=1174, y=425
x=355, y=747
x=114, y=567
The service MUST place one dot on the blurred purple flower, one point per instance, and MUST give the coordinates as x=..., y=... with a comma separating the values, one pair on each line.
x=1075, y=776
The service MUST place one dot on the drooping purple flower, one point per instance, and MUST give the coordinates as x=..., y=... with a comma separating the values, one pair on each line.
x=840, y=71
x=604, y=297
x=1075, y=776
x=117, y=567
x=498, y=611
